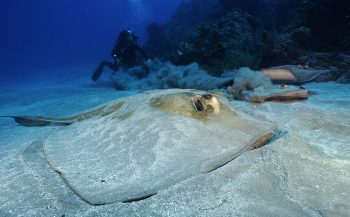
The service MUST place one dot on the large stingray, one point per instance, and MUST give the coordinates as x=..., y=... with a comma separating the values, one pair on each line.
x=131, y=148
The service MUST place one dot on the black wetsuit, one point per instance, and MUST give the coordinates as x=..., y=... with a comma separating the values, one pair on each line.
x=124, y=54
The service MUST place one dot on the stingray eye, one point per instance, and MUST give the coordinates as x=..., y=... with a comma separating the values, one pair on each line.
x=207, y=96
x=198, y=103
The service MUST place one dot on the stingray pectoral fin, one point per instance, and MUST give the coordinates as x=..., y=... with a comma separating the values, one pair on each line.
x=263, y=140
x=34, y=121
x=219, y=161
x=223, y=159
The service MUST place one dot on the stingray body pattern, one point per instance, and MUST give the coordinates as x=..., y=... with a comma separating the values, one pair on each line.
x=133, y=147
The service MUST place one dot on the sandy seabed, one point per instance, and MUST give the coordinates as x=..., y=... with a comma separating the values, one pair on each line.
x=304, y=173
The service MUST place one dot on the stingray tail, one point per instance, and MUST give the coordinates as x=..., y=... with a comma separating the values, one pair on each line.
x=35, y=121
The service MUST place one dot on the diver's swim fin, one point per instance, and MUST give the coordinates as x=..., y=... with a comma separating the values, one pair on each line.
x=35, y=121
x=97, y=73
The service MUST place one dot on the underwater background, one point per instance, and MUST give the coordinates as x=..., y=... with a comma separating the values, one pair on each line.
x=37, y=36
x=233, y=108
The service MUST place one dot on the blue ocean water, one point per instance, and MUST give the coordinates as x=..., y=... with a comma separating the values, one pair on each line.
x=39, y=36
x=49, y=49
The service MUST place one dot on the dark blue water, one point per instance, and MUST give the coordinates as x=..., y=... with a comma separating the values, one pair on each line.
x=39, y=35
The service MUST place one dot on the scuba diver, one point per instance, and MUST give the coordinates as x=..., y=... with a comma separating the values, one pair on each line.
x=124, y=54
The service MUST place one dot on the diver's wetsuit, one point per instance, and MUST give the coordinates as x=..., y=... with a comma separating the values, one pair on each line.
x=127, y=54
x=124, y=54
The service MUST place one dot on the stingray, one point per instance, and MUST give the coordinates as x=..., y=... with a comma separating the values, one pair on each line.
x=133, y=147
x=280, y=93
x=292, y=74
